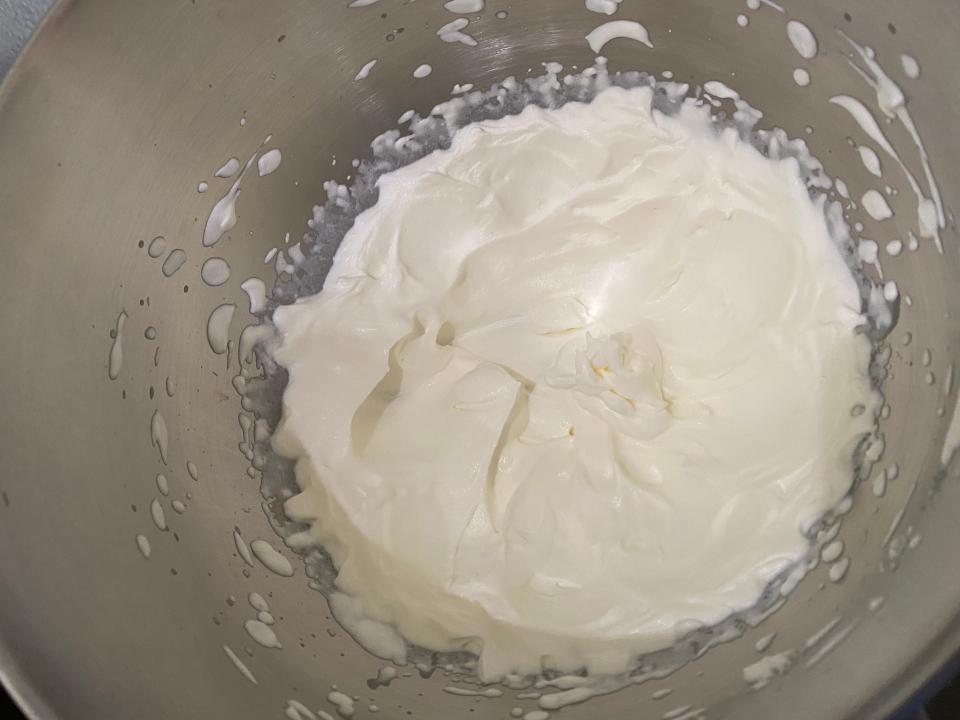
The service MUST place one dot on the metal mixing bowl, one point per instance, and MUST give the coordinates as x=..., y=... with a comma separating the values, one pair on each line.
x=108, y=122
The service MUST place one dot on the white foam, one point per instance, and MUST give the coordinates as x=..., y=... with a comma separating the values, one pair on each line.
x=553, y=317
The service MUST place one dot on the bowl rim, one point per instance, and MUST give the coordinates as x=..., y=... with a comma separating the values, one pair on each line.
x=933, y=668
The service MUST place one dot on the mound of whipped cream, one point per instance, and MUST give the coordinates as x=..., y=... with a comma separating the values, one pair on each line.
x=583, y=379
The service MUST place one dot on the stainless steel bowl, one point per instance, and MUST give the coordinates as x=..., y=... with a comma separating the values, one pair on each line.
x=108, y=122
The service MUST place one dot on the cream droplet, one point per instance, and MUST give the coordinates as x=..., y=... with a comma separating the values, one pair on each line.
x=215, y=271
x=271, y=559
x=802, y=39
x=218, y=327
x=269, y=162
x=365, y=70
x=629, y=29
x=228, y=169
x=911, y=68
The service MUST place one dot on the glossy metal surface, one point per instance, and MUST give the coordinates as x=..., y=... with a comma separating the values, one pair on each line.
x=108, y=122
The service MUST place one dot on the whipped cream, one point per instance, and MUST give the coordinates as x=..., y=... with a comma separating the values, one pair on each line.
x=578, y=383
